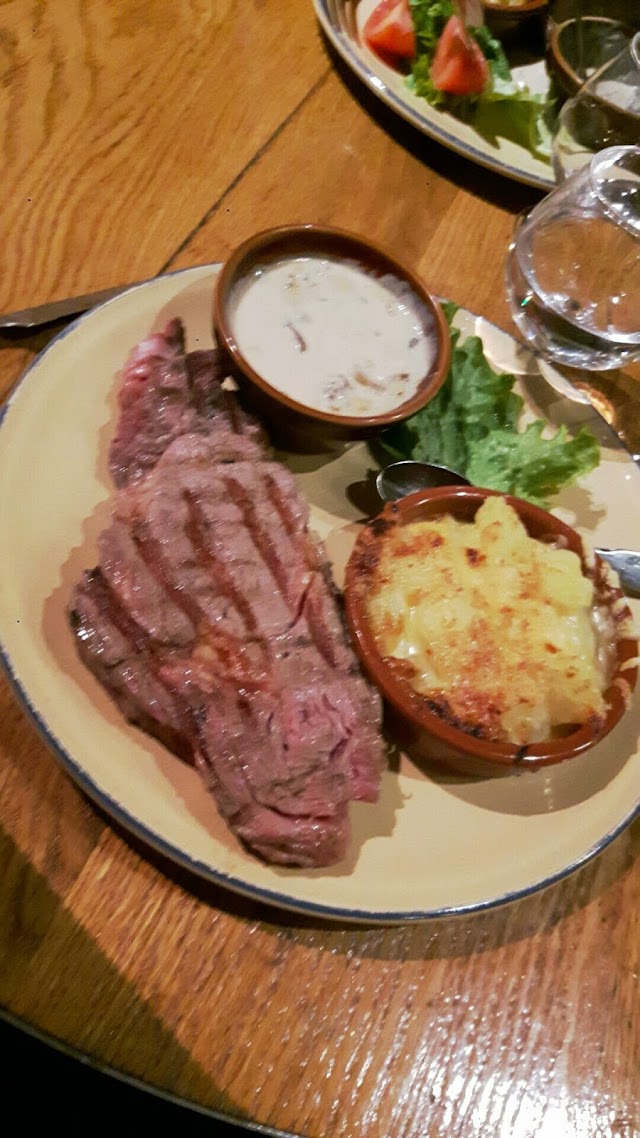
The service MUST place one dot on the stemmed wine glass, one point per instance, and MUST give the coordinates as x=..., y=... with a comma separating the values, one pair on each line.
x=604, y=112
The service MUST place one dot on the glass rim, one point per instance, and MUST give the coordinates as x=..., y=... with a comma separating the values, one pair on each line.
x=612, y=159
x=634, y=47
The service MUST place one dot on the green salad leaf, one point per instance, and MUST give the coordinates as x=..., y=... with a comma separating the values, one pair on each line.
x=530, y=466
x=429, y=19
x=504, y=109
x=472, y=426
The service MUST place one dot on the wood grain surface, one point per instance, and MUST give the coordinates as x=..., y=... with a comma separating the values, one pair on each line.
x=143, y=137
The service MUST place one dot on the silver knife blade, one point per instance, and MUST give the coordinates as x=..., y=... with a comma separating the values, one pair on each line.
x=53, y=310
x=626, y=562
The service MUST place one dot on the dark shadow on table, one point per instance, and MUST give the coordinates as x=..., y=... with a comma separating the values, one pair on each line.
x=468, y=174
x=72, y=1093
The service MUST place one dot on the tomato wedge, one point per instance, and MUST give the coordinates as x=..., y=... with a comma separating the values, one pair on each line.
x=459, y=67
x=389, y=30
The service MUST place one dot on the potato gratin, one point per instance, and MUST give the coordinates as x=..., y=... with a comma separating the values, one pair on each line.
x=499, y=632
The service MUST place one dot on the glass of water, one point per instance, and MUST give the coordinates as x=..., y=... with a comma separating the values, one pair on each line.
x=573, y=266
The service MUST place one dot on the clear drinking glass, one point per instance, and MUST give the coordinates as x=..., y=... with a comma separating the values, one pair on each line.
x=573, y=266
x=604, y=112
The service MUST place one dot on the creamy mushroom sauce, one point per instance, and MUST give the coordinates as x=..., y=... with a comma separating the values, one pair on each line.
x=332, y=336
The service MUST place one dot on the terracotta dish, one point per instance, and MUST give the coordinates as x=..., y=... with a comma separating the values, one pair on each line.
x=424, y=733
x=294, y=422
x=573, y=54
x=525, y=20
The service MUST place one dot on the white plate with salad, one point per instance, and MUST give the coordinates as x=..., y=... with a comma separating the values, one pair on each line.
x=503, y=128
x=433, y=845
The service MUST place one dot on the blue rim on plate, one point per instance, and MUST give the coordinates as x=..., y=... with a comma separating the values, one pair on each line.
x=434, y=847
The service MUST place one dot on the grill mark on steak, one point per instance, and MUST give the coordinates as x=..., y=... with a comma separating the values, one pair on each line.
x=303, y=573
x=121, y=656
x=212, y=619
x=322, y=614
x=285, y=500
x=139, y=590
x=244, y=577
x=166, y=521
x=185, y=577
x=284, y=559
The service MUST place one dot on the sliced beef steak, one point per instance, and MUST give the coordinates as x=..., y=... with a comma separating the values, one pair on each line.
x=166, y=393
x=212, y=620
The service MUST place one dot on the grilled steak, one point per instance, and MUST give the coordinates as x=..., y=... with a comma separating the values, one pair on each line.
x=212, y=620
x=167, y=393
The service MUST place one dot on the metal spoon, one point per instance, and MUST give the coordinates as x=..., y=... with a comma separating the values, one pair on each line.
x=401, y=478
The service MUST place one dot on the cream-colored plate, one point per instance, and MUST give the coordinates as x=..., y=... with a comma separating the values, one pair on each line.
x=433, y=845
x=341, y=20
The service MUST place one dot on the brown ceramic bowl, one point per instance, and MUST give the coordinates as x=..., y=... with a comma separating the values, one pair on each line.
x=421, y=731
x=573, y=55
x=294, y=422
x=523, y=21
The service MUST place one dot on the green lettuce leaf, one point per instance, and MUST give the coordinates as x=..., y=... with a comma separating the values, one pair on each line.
x=504, y=109
x=530, y=466
x=509, y=111
x=471, y=425
x=429, y=18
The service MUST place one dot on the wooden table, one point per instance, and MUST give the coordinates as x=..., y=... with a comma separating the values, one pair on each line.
x=139, y=138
